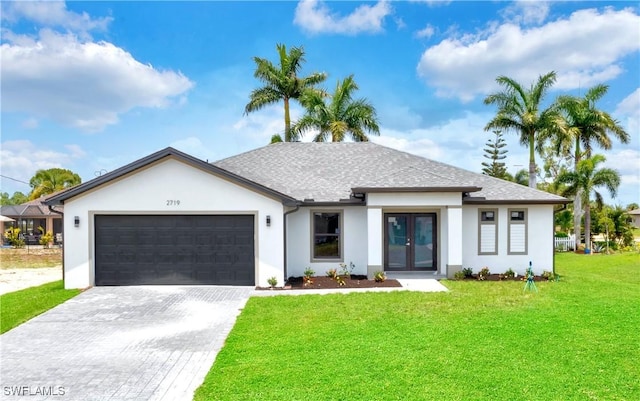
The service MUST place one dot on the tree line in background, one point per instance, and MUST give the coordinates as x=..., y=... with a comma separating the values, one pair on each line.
x=566, y=131
x=43, y=182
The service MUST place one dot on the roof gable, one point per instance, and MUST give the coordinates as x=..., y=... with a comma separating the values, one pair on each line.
x=154, y=158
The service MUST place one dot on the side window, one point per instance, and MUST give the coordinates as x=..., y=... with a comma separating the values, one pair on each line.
x=487, y=231
x=327, y=235
x=517, y=231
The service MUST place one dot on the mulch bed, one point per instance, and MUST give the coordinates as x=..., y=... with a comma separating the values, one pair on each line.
x=323, y=282
x=499, y=277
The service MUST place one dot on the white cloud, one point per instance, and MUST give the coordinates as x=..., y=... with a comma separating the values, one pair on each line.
x=584, y=49
x=315, y=17
x=527, y=12
x=20, y=160
x=426, y=32
x=629, y=110
x=78, y=83
x=52, y=14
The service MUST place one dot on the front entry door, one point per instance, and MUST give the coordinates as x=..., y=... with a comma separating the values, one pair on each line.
x=411, y=242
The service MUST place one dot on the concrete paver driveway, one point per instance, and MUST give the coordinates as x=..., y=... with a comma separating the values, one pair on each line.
x=120, y=343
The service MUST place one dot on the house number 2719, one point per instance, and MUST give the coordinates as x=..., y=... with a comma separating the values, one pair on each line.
x=173, y=202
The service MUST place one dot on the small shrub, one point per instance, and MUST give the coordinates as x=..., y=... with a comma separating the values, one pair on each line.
x=510, y=273
x=347, y=270
x=332, y=273
x=459, y=275
x=561, y=234
x=272, y=281
x=379, y=276
x=13, y=236
x=468, y=272
x=548, y=275
x=308, y=272
x=483, y=273
x=45, y=238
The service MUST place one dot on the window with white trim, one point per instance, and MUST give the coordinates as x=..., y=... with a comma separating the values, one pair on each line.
x=487, y=231
x=326, y=228
x=517, y=231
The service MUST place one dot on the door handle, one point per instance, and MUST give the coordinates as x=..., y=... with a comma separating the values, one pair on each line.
x=408, y=242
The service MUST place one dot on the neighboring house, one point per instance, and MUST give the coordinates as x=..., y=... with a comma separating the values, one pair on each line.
x=30, y=216
x=634, y=215
x=170, y=218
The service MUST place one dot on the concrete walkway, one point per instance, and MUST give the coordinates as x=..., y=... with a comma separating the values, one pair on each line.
x=120, y=343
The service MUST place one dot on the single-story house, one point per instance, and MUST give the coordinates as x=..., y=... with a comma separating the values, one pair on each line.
x=170, y=218
x=32, y=215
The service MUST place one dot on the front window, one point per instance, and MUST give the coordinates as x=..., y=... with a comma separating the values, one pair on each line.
x=327, y=232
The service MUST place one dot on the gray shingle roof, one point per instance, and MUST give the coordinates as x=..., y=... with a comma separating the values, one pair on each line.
x=327, y=172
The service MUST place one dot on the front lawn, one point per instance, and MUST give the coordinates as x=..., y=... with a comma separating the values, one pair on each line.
x=577, y=339
x=30, y=257
x=19, y=306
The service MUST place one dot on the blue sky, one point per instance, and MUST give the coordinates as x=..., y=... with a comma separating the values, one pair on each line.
x=91, y=86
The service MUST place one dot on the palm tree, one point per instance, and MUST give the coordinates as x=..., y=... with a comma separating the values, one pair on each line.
x=586, y=126
x=342, y=117
x=46, y=182
x=282, y=83
x=519, y=111
x=584, y=181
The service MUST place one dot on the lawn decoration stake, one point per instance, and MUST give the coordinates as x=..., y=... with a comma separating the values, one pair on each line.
x=529, y=284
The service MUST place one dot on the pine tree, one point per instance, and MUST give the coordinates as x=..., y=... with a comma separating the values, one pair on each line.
x=494, y=151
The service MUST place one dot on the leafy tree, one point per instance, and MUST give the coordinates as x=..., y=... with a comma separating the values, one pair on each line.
x=342, y=116
x=17, y=198
x=616, y=220
x=563, y=219
x=495, y=152
x=585, y=180
x=282, y=83
x=519, y=110
x=585, y=126
x=632, y=206
x=521, y=177
x=46, y=182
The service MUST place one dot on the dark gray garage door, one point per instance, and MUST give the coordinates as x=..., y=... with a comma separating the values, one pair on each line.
x=134, y=250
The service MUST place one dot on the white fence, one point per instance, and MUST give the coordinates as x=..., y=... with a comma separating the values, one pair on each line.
x=565, y=243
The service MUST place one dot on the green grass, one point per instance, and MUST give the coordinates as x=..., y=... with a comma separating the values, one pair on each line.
x=19, y=306
x=577, y=339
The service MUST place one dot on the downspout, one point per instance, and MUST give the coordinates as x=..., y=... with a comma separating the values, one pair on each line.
x=52, y=210
x=284, y=233
x=553, y=237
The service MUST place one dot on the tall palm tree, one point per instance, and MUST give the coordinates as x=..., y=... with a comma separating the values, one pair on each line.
x=343, y=116
x=282, y=83
x=585, y=180
x=519, y=111
x=46, y=182
x=586, y=125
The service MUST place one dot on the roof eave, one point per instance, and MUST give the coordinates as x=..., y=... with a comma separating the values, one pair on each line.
x=414, y=189
x=483, y=201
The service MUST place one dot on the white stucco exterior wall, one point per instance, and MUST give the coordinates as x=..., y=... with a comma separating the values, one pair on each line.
x=147, y=191
x=299, y=237
x=539, y=240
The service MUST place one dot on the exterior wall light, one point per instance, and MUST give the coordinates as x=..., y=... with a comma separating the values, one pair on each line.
x=76, y=221
x=268, y=221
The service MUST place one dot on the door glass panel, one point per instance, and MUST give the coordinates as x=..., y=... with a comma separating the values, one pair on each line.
x=397, y=229
x=423, y=242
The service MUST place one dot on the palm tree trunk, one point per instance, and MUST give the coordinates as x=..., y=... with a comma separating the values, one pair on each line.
x=532, y=162
x=287, y=121
x=587, y=226
x=577, y=201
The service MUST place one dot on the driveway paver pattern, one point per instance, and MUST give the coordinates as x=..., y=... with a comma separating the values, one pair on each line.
x=120, y=343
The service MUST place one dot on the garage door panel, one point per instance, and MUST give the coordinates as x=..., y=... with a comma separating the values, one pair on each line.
x=161, y=249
